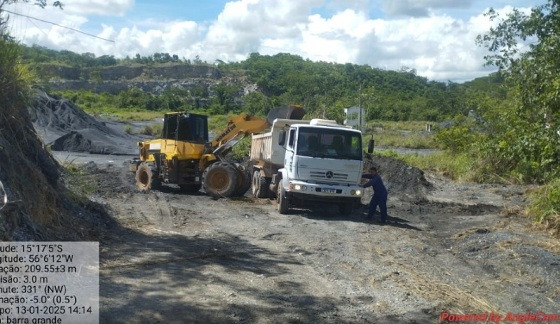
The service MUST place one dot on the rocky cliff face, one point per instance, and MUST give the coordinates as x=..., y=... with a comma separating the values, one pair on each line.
x=154, y=79
x=114, y=87
x=138, y=72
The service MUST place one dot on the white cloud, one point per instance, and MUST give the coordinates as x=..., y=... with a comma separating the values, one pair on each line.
x=98, y=7
x=243, y=26
x=175, y=38
x=438, y=46
x=420, y=8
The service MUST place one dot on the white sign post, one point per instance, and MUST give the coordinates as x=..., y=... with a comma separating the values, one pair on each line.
x=355, y=117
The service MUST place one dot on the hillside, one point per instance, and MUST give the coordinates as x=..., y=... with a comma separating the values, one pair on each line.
x=255, y=85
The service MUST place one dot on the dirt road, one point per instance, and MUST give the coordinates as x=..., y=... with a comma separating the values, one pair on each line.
x=172, y=257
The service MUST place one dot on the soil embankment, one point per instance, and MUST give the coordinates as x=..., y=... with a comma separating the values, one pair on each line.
x=35, y=203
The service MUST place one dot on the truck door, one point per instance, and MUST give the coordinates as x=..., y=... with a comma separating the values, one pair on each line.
x=289, y=162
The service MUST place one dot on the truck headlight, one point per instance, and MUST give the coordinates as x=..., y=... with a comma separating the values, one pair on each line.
x=299, y=187
x=355, y=192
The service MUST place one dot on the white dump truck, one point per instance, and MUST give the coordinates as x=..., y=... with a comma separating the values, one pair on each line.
x=301, y=162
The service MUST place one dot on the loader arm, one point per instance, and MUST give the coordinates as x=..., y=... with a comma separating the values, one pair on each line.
x=238, y=128
x=243, y=125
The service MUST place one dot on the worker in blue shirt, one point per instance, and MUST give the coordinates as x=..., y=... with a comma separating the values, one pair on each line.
x=379, y=197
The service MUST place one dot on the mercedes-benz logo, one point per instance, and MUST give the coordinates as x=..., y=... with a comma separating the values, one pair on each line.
x=329, y=174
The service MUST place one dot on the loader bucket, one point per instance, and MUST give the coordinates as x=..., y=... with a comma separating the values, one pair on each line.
x=285, y=112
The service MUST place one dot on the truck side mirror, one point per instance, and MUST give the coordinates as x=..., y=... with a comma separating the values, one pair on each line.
x=282, y=138
x=370, y=146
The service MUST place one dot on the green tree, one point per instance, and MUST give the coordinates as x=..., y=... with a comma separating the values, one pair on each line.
x=526, y=138
x=225, y=95
x=256, y=103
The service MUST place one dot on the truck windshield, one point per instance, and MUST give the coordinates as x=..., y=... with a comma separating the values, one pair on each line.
x=329, y=143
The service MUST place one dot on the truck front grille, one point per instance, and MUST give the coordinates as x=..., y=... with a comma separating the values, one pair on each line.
x=322, y=175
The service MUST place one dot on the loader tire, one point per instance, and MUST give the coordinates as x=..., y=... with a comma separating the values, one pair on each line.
x=220, y=180
x=146, y=178
x=283, y=200
x=244, y=183
x=259, y=185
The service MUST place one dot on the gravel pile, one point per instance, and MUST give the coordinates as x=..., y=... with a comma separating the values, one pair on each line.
x=402, y=180
x=64, y=126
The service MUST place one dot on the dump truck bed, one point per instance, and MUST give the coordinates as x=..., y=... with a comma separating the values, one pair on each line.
x=262, y=149
x=265, y=147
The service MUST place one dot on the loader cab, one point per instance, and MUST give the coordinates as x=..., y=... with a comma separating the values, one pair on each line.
x=185, y=127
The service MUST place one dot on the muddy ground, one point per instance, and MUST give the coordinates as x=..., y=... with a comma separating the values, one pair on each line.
x=173, y=257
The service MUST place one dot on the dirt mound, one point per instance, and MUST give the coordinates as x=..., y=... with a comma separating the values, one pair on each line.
x=401, y=179
x=66, y=127
x=72, y=142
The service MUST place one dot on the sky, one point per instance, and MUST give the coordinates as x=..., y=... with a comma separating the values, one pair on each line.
x=434, y=37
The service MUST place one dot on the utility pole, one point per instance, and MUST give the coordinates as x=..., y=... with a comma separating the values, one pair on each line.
x=360, y=109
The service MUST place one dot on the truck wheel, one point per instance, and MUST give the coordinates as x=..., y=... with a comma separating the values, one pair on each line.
x=283, y=201
x=259, y=185
x=345, y=209
x=146, y=178
x=190, y=188
x=220, y=180
x=245, y=183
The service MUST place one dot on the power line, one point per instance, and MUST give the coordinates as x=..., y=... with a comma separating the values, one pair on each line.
x=49, y=22
x=42, y=31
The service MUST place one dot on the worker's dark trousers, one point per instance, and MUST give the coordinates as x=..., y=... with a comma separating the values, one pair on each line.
x=381, y=201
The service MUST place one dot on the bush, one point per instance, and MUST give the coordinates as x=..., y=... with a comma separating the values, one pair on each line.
x=456, y=166
x=128, y=129
x=14, y=77
x=241, y=151
x=414, y=140
x=153, y=130
x=545, y=205
x=80, y=182
x=460, y=137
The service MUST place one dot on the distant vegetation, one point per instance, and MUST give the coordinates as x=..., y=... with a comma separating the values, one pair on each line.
x=324, y=89
x=40, y=54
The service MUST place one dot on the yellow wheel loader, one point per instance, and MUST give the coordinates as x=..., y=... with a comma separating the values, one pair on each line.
x=184, y=156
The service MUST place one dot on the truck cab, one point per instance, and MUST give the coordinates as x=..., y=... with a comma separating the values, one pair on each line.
x=322, y=163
